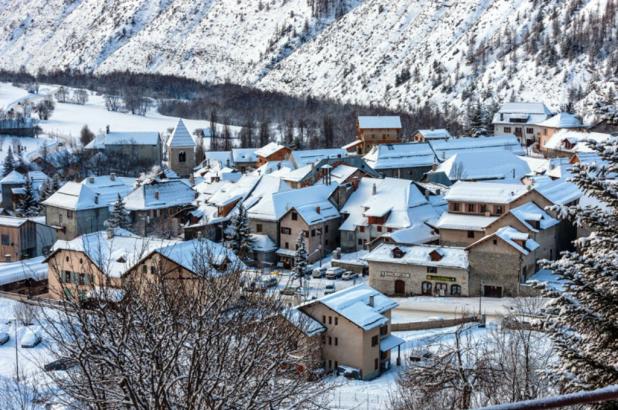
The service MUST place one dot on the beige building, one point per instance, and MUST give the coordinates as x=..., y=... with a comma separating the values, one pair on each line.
x=181, y=151
x=357, y=332
x=551, y=126
x=521, y=119
x=372, y=131
x=431, y=135
x=418, y=270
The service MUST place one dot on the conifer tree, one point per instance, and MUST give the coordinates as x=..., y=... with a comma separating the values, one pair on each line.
x=9, y=163
x=119, y=217
x=476, y=120
x=238, y=237
x=300, y=257
x=29, y=205
x=585, y=329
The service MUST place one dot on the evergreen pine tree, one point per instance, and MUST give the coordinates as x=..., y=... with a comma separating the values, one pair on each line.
x=119, y=217
x=9, y=163
x=29, y=205
x=476, y=120
x=238, y=237
x=585, y=329
x=300, y=257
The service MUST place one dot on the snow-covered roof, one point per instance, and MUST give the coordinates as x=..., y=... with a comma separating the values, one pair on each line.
x=34, y=269
x=275, y=168
x=464, y=222
x=124, y=138
x=308, y=156
x=13, y=177
x=159, y=194
x=439, y=133
x=398, y=200
x=262, y=243
x=420, y=255
x=484, y=165
x=224, y=158
x=305, y=323
x=298, y=174
x=419, y=154
x=273, y=207
x=559, y=191
x=513, y=237
x=316, y=212
x=485, y=192
x=415, y=235
x=112, y=255
x=342, y=172
x=522, y=112
x=562, y=120
x=244, y=155
x=379, y=122
x=578, y=139
x=353, y=303
x=531, y=212
x=201, y=256
x=12, y=221
x=268, y=149
x=181, y=138
x=91, y=193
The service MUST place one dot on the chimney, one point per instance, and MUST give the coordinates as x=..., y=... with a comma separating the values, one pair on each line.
x=156, y=194
x=96, y=198
x=374, y=189
x=112, y=176
x=107, y=129
x=372, y=300
x=317, y=209
x=109, y=233
x=91, y=180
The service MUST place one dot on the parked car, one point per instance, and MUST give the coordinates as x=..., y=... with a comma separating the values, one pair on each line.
x=318, y=272
x=64, y=363
x=30, y=338
x=349, y=275
x=266, y=282
x=334, y=273
x=289, y=290
x=330, y=288
x=4, y=337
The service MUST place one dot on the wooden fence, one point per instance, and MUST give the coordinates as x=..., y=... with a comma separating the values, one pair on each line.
x=435, y=324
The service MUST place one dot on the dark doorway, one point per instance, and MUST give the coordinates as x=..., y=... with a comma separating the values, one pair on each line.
x=400, y=287
x=492, y=291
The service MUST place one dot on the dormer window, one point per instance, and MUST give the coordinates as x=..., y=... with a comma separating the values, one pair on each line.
x=294, y=216
x=397, y=253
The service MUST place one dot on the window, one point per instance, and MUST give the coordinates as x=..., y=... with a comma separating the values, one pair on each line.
x=507, y=129
x=384, y=330
x=529, y=131
x=287, y=245
x=336, y=320
x=67, y=276
x=432, y=269
x=330, y=320
x=330, y=363
x=323, y=339
x=330, y=340
x=286, y=231
x=375, y=364
x=360, y=241
x=152, y=269
x=361, y=229
x=82, y=279
x=456, y=206
x=324, y=319
x=426, y=288
x=499, y=210
x=66, y=259
x=182, y=156
x=69, y=214
x=294, y=216
x=312, y=233
x=389, y=230
x=326, y=242
x=326, y=229
x=6, y=239
x=144, y=269
x=374, y=340
x=306, y=234
x=455, y=290
x=470, y=207
x=258, y=227
x=336, y=341
x=483, y=208
x=495, y=241
x=379, y=228
x=470, y=234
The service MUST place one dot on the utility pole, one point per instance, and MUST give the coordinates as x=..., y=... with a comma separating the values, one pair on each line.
x=480, y=300
x=16, y=353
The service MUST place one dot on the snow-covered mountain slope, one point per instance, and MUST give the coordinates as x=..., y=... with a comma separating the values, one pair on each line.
x=399, y=53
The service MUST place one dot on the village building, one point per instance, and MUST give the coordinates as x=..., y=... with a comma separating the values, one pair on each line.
x=155, y=205
x=244, y=159
x=413, y=160
x=272, y=152
x=24, y=277
x=80, y=208
x=301, y=158
x=373, y=131
x=565, y=143
x=12, y=186
x=219, y=159
x=431, y=135
x=336, y=170
x=24, y=238
x=141, y=149
x=357, y=335
x=607, y=124
x=522, y=119
x=102, y=260
x=283, y=216
x=380, y=206
x=560, y=121
x=419, y=270
x=181, y=150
